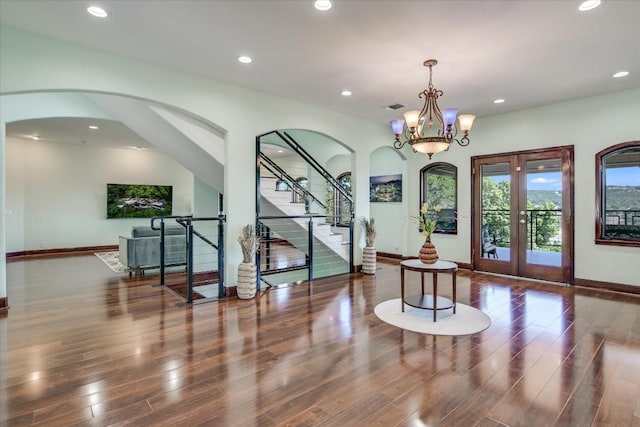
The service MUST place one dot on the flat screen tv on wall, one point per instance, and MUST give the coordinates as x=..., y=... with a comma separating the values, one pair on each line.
x=138, y=201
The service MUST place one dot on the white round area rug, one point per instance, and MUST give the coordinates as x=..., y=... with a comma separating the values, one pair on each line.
x=466, y=321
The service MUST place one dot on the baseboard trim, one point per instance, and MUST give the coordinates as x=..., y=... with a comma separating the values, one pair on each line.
x=389, y=255
x=607, y=286
x=45, y=253
x=4, y=304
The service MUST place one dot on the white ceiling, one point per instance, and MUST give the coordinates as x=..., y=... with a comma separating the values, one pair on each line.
x=528, y=52
x=75, y=130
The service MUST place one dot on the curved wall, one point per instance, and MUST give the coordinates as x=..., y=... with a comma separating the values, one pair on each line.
x=239, y=113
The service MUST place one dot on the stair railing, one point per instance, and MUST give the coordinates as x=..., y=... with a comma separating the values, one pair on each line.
x=219, y=247
x=309, y=261
x=293, y=144
x=162, y=240
x=276, y=170
x=288, y=139
x=191, y=235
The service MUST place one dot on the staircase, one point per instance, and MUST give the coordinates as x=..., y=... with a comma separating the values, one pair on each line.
x=302, y=225
x=294, y=230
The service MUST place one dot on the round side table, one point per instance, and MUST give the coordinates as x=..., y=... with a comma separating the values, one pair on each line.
x=429, y=302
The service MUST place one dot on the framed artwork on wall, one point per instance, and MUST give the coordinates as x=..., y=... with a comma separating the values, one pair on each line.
x=385, y=188
x=138, y=201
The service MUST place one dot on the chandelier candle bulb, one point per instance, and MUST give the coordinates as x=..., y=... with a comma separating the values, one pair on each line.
x=466, y=121
x=449, y=116
x=397, y=126
x=411, y=118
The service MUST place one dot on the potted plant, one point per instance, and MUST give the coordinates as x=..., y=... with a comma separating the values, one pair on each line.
x=369, y=251
x=247, y=270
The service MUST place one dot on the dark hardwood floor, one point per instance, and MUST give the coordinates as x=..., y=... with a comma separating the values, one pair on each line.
x=81, y=345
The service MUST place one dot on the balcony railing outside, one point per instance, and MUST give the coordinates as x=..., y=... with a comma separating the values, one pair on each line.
x=621, y=224
x=544, y=228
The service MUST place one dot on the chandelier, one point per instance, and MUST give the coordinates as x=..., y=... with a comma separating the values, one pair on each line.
x=420, y=132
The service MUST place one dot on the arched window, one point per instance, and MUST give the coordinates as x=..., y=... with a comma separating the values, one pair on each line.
x=282, y=185
x=338, y=207
x=297, y=196
x=618, y=195
x=343, y=208
x=439, y=187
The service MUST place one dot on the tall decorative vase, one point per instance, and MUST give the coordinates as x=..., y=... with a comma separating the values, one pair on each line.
x=247, y=279
x=369, y=260
x=428, y=253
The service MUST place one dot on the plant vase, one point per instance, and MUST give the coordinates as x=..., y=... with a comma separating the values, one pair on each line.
x=247, y=279
x=369, y=255
x=428, y=253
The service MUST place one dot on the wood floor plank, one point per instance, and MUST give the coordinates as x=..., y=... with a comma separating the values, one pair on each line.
x=83, y=346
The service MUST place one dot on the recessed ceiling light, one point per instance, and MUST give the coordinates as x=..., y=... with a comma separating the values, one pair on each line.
x=621, y=74
x=36, y=137
x=137, y=148
x=588, y=5
x=346, y=93
x=245, y=59
x=280, y=151
x=323, y=5
x=97, y=11
x=94, y=127
x=498, y=101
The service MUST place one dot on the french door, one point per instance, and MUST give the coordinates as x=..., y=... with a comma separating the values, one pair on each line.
x=522, y=218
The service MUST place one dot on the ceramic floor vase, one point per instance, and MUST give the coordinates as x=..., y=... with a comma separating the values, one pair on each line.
x=369, y=255
x=247, y=280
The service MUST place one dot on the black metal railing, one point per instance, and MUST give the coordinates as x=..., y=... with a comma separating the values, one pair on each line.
x=622, y=217
x=204, y=251
x=544, y=228
x=300, y=257
x=621, y=224
x=316, y=183
x=280, y=173
x=277, y=254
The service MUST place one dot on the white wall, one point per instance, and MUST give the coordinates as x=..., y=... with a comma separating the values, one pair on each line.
x=239, y=113
x=205, y=206
x=392, y=222
x=56, y=192
x=205, y=199
x=339, y=164
x=589, y=124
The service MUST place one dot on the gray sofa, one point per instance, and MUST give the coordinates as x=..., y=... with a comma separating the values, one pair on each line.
x=142, y=250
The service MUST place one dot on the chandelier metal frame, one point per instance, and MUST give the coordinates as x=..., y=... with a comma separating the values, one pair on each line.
x=420, y=132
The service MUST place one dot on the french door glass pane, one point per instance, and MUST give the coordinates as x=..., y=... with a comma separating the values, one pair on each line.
x=544, y=212
x=496, y=208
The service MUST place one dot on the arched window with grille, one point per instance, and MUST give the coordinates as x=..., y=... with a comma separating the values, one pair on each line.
x=343, y=211
x=297, y=195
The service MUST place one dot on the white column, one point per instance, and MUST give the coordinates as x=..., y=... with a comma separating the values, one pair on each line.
x=3, y=209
